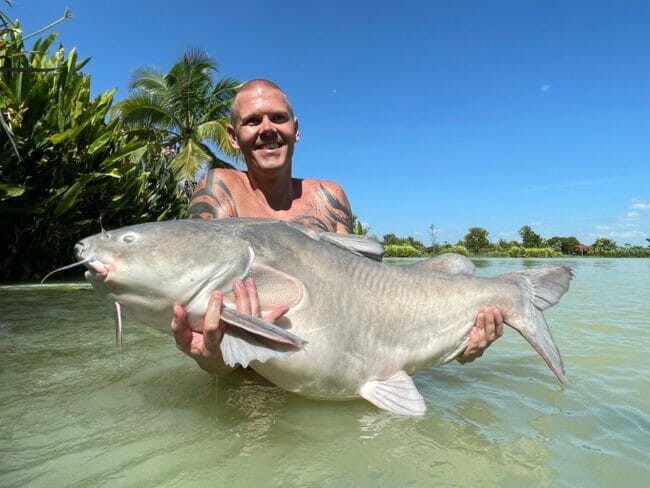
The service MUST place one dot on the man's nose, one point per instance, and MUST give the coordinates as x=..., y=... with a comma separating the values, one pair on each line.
x=267, y=127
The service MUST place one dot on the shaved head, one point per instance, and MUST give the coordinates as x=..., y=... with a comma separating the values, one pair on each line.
x=252, y=86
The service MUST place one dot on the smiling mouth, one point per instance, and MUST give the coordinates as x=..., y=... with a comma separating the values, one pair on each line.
x=270, y=146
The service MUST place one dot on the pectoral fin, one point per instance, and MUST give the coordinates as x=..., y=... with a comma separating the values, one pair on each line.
x=396, y=394
x=261, y=328
x=253, y=339
x=241, y=347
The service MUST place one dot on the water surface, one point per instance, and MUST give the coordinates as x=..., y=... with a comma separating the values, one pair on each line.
x=76, y=411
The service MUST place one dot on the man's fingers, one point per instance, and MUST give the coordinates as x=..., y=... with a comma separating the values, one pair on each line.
x=498, y=320
x=181, y=329
x=253, y=297
x=490, y=327
x=242, y=300
x=212, y=332
x=481, y=325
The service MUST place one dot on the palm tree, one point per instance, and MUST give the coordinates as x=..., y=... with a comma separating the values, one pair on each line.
x=182, y=112
x=359, y=228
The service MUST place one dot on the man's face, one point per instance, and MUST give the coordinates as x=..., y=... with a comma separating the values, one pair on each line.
x=265, y=131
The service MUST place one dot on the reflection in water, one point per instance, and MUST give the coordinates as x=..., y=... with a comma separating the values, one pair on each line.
x=76, y=411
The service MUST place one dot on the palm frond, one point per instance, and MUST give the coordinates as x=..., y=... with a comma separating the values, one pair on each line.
x=149, y=79
x=215, y=131
x=197, y=58
x=223, y=94
x=184, y=106
x=189, y=160
x=142, y=109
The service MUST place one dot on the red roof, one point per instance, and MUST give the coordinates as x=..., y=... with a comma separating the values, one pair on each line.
x=582, y=246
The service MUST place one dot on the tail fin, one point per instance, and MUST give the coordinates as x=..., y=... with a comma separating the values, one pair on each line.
x=543, y=288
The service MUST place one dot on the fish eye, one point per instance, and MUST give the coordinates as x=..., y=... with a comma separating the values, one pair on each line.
x=128, y=238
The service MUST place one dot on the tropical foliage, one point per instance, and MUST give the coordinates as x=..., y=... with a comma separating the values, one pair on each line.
x=64, y=169
x=359, y=228
x=533, y=252
x=565, y=245
x=476, y=239
x=402, y=251
x=458, y=249
x=606, y=247
x=529, y=238
x=183, y=111
x=395, y=246
x=532, y=245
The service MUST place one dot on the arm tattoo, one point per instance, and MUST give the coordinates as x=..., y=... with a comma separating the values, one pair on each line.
x=337, y=212
x=212, y=200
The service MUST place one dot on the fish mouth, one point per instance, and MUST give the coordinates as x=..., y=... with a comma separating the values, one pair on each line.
x=96, y=268
x=97, y=271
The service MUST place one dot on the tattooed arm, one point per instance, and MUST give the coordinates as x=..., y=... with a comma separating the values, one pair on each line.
x=212, y=197
x=330, y=209
x=338, y=212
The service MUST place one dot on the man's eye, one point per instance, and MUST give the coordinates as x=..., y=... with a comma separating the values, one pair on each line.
x=252, y=121
x=279, y=119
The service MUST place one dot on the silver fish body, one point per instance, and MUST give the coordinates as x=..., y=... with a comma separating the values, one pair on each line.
x=357, y=327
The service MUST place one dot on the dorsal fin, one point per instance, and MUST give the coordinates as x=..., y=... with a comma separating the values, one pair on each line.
x=450, y=263
x=356, y=244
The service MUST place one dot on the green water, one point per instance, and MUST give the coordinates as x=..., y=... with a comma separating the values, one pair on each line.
x=75, y=411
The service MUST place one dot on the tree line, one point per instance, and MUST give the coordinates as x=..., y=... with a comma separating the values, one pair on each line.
x=477, y=242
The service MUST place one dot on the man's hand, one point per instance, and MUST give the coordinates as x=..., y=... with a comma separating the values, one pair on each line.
x=204, y=347
x=488, y=328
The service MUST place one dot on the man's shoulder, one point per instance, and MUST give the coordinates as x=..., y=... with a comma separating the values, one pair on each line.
x=315, y=184
x=216, y=194
x=224, y=174
x=330, y=205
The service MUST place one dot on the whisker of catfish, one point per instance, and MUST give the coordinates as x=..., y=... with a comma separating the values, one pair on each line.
x=78, y=263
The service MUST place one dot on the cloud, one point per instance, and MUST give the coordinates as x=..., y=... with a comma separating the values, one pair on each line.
x=636, y=203
x=544, y=88
x=602, y=227
x=632, y=216
x=535, y=223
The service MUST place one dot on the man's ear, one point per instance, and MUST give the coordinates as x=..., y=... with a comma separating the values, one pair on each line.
x=295, y=122
x=232, y=136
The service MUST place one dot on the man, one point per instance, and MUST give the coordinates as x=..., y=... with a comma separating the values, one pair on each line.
x=263, y=127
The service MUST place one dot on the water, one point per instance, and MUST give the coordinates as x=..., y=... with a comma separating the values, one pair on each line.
x=75, y=411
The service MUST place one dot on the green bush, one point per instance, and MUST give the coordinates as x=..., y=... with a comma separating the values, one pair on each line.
x=533, y=252
x=402, y=251
x=459, y=250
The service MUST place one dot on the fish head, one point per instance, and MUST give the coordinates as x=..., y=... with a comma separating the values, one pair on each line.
x=150, y=267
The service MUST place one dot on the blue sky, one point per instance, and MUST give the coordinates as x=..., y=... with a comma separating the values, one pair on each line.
x=460, y=113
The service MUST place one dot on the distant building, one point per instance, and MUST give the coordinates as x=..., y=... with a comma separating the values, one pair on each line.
x=582, y=249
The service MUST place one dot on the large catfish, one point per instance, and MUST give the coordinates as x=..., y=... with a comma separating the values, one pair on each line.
x=356, y=327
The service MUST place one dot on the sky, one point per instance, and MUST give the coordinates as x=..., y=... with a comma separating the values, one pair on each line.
x=455, y=114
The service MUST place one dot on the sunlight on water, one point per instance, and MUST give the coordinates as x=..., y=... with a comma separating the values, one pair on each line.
x=77, y=412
